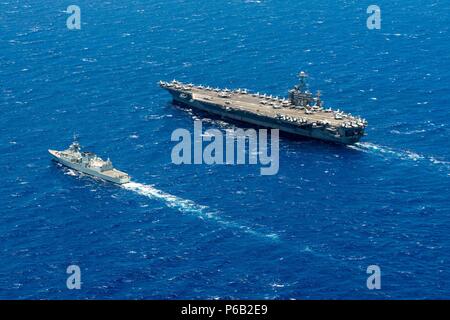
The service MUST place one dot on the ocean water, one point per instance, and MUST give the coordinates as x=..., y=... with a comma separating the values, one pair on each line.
x=216, y=232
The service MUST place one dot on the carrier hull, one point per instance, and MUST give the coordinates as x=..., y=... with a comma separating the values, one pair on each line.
x=259, y=119
x=301, y=114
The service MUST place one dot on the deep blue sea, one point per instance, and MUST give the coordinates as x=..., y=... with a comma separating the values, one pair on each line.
x=216, y=231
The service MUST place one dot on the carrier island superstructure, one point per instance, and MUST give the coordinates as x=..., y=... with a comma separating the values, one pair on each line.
x=301, y=114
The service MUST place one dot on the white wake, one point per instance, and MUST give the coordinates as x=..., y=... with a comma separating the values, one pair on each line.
x=400, y=154
x=189, y=207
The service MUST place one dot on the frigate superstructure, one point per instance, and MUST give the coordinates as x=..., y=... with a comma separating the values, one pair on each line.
x=300, y=114
x=89, y=163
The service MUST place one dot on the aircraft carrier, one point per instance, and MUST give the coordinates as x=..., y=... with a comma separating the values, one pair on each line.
x=301, y=114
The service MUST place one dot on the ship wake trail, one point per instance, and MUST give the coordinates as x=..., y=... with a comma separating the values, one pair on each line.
x=401, y=154
x=190, y=207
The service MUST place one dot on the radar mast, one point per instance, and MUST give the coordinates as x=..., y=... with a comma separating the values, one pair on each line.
x=302, y=86
x=300, y=96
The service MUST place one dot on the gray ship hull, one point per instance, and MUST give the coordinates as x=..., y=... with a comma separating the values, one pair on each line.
x=110, y=175
x=255, y=119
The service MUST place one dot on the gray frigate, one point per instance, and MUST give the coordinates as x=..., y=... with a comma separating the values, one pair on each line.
x=89, y=163
x=301, y=114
